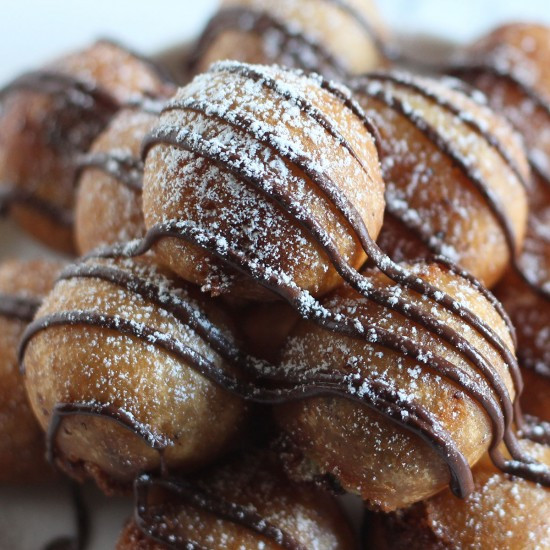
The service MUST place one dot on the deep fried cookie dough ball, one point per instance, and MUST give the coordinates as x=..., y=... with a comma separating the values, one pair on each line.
x=49, y=118
x=333, y=38
x=238, y=161
x=510, y=65
x=456, y=174
x=502, y=512
x=268, y=511
x=108, y=203
x=115, y=377
x=365, y=449
x=23, y=284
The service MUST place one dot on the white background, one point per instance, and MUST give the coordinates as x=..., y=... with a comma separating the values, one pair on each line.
x=34, y=31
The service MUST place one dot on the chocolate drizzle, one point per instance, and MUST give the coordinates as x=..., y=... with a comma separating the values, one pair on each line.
x=12, y=196
x=123, y=167
x=191, y=494
x=82, y=520
x=21, y=308
x=69, y=88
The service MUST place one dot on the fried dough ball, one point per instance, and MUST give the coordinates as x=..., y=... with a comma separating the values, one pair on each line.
x=239, y=161
x=108, y=202
x=287, y=513
x=332, y=38
x=525, y=294
x=455, y=172
x=502, y=512
x=49, y=118
x=23, y=284
x=116, y=377
x=511, y=66
x=365, y=449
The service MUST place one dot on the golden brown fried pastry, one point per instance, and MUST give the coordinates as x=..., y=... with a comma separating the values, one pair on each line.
x=49, y=118
x=415, y=414
x=511, y=66
x=245, y=503
x=456, y=174
x=525, y=293
x=23, y=284
x=333, y=37
x=118, y=364
x=108, y=203
x=246, y=163
x=502, y=512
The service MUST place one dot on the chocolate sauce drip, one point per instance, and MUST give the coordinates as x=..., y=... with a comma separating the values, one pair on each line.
x=183, y=311
x=11, y=196
x=82, y=520
x=123, y=167
x=536, y=430
x=380, y=397
x=77, y=94
x=191, y=494
x=21, y=308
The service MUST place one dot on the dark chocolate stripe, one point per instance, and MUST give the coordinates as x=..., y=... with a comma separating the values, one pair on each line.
x=59, y=84
x=197, y=497
x=408, y=81
x=123, y=167
x=11, y=196
x=381, y=44
x=488, y=68
x=22, y=308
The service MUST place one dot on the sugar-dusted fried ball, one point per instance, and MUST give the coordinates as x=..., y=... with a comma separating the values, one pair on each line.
x=49, y=118
x=23, y=284
x=502, y=512
x=108, y=202
x=245, y=503
x=511, y=66
x=117, y=366
x=249, y=163
x=373, y=440
x=456, y=174
x=333, y=38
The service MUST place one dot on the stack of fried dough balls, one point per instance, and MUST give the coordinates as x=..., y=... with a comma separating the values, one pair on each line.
x=282, y=289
